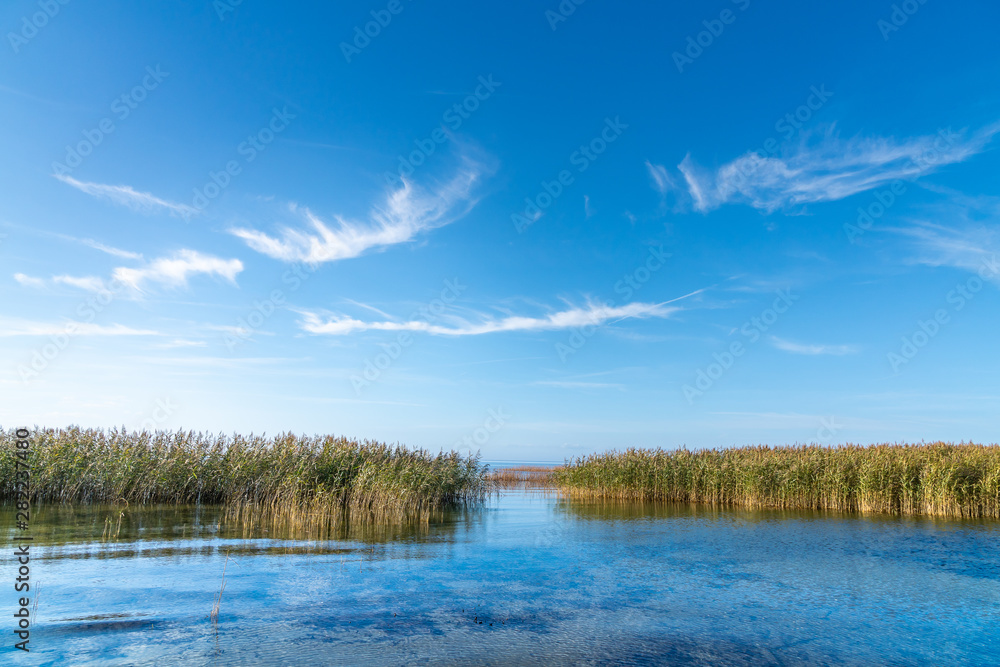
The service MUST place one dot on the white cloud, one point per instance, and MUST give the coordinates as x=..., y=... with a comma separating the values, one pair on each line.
x=97, y=245
x=28, y=280
x=829, y=170
x=661, y=178
x=89, y=283
x=175, y=271
x=236, y=330
x=405, y=213
x=124, y=195
x=593, y=314
x=117, y=252
x=967, y=246
x=18, y=327
x=171, y=271
x=799, y=348
x=181, y=342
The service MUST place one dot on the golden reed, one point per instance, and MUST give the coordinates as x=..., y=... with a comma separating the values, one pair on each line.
x=936, y=479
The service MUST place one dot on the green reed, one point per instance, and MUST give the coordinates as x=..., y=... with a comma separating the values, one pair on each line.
x=310, y=479
x=932, y=479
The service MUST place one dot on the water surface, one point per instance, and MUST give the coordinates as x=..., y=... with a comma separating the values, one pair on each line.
x=532, y=578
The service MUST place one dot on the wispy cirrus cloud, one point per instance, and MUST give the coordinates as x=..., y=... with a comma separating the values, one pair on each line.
x=662, y=180
x=174, y=271
x=181, y=343
x=97, y=245
x=89, y=283
x=593, y=314
x=125, y=195
x=812, y=349
x=29, y=281
x=405, y=213
x=10, y=327
x=826, y=170
x=235, y=330
x=973, y=248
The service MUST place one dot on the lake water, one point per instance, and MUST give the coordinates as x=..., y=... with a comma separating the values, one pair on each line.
x=531, y=578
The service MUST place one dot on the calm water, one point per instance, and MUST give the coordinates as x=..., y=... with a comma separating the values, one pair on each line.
x=530, y=579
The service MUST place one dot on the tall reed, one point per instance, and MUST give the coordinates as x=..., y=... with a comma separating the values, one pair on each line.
x=318, y=475
x=932, y=479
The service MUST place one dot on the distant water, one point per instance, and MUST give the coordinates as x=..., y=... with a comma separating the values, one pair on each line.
x=531, y=579
x=495, y=464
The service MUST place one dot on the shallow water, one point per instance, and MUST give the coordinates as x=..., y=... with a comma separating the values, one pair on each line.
x=532, y=578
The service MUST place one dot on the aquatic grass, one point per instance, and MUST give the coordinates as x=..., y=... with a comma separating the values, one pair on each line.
x=214, y=615
x=321, y=476
x=937, y=479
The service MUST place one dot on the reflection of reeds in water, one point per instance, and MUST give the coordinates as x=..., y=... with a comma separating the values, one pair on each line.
x=118, y=528
x=109, y=526
x=310, y=480
x=325, y=518
x=522, y=476
x=937, y=479
x=64, y=524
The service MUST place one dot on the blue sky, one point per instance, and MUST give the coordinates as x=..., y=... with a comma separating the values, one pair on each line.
x=535, y=231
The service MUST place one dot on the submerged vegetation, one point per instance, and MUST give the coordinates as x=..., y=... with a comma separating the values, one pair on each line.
x=310, y=480
x=934, y=479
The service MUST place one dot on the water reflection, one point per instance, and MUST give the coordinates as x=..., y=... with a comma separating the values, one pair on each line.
x=624, y=510
x=111, y=525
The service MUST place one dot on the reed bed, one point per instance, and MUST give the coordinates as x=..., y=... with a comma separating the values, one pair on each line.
x=522, y=476
x=307, y=479
x=936, y=479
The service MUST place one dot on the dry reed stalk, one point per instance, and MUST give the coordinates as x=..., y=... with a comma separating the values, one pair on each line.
x=218, y=597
